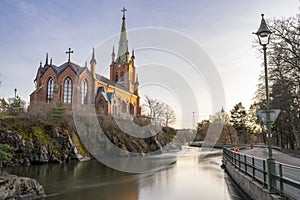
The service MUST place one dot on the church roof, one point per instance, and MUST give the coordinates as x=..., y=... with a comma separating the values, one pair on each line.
x=108, y=96
x=110, y=82
x=76, y=68
x=104, y=79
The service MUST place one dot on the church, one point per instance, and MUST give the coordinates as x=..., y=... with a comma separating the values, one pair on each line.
x=117, y=95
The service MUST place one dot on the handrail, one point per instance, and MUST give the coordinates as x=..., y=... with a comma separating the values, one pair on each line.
x=256, y=169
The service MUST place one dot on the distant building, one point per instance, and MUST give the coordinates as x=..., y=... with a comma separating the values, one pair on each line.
x=117, y=95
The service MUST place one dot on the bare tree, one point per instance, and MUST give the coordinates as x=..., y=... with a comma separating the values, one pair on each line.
x=159, y=111
x=153, y=108
x=169, y=115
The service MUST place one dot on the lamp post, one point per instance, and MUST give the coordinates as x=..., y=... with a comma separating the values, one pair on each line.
x=263, y=35
x=222, y=116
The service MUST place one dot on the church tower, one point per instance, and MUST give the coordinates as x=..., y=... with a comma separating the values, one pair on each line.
x=122, y=68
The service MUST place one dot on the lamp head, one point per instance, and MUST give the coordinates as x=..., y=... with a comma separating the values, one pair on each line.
x=263, y=32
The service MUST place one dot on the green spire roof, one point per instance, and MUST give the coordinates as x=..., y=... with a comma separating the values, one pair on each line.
x=123, y=42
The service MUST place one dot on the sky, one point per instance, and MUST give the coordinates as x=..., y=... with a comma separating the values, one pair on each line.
x=223, y=29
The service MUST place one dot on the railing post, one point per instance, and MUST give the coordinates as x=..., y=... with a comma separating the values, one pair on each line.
x=281, y=182
x=239, y=156
x=264, y=172
x=245, y=163
x=253, y=168
x=234, y=159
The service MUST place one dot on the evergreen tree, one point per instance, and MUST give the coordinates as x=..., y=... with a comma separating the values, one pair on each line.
x=202, y=128
x=16, y=105
x=3, y=105
x=239, y=122
x=255, y=127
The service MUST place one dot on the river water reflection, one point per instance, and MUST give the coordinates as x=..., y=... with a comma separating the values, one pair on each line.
x=191, y=177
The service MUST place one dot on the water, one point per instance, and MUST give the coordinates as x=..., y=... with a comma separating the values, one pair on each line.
x=191, y=177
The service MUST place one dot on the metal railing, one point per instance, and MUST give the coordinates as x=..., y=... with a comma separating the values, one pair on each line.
x=287, y=177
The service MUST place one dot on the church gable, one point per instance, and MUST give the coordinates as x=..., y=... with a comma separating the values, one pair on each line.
x=85, y=75
x=67, y=72
x=69, y=65
x=48, y=73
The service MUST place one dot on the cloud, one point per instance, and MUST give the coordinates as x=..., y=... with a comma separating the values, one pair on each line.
x=26, y=8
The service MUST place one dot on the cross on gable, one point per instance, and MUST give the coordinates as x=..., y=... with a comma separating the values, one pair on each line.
x=69, y=52
x=124, y=10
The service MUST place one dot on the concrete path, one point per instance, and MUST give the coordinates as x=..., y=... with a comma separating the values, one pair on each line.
x=262, y=152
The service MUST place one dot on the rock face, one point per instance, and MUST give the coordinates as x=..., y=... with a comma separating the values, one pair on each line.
x=42, y=145
x=14, y=187
x=163, y=140
x=42, y=141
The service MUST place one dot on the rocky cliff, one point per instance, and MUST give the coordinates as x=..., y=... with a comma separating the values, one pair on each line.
x=40, y=143
x=14, y=187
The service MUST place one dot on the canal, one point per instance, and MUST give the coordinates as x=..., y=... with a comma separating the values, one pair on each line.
x=191, y=177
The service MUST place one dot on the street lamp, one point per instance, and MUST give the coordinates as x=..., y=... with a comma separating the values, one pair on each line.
x=15, y=93
x=222, y=116
x=263, y=35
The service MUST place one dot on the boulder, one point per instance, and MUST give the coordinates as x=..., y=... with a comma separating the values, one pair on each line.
x=14, y=187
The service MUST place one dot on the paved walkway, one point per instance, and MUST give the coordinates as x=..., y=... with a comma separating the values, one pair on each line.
x=262, y=152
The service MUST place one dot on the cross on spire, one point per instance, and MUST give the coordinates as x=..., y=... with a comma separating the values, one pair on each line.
x=69, y=52
x=124, y=10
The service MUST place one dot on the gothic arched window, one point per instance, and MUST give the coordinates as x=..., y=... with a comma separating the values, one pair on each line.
x=101, y=104
x=50, y=87
x=84, y=91
x=122, y=76
x=117, y=76
x=68, y=90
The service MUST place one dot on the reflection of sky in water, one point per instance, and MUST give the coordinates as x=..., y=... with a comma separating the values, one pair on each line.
x=190, y=178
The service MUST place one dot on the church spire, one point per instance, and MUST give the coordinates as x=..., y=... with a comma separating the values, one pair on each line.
x=123, y=42
x=93, y=64
x=93, y=60
x=132, y=57
x=137, y=79
x=46, y=62
x=113, y=55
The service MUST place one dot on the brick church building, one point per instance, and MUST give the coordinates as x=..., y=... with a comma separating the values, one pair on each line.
x=117, y=95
